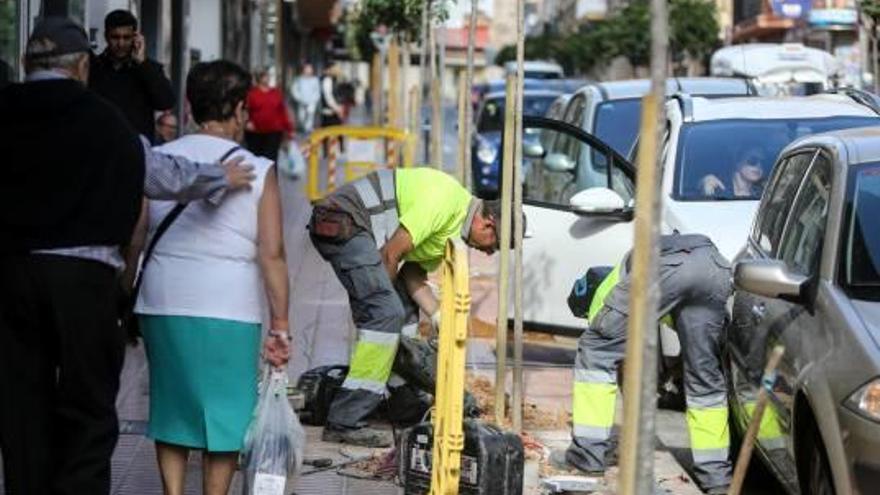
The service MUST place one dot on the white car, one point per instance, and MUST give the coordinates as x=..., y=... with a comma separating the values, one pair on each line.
x=719, y=154
x=536, y=69
x=705, y=138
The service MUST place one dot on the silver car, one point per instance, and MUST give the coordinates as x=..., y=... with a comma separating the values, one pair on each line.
x=809, y=280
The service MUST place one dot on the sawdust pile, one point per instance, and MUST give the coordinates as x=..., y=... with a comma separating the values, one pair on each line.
x=534, y=417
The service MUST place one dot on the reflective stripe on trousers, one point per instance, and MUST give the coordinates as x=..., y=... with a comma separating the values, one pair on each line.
x=709, y=433
x=379, y=197
x=595, y=390
x=770, y=432
x=371, y=361
x=594, y=397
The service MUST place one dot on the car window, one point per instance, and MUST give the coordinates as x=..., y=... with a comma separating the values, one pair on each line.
x=861, y=260
x=575, y=111
x=565, y=143
x=801, y=244
x=776, y=203
x=617, y=123
x=492, y=115
x=731, y=159
x=551, y=175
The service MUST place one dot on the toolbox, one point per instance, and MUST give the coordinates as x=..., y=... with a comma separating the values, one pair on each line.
x=491, y=462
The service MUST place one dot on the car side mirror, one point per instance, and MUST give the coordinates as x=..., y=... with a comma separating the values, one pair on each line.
x=533, y=150
x=557, y=162
x=600, y=202
x=769, y=278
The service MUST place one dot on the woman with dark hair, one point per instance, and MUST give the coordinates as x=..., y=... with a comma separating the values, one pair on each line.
x=269, y=123
x=200, y=304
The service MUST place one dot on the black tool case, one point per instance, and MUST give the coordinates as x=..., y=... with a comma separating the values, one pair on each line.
x=491, y=462
x=318, y=387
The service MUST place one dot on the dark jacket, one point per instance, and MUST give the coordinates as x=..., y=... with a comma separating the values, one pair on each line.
x=139, y=90
x=72, y=167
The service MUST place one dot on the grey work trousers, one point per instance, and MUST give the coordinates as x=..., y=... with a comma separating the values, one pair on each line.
x=380, y=309
x=694, y=286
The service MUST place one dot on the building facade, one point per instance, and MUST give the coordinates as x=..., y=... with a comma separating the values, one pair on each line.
x=830, y=25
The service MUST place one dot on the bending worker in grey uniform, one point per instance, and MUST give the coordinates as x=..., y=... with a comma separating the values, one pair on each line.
x=694, y=286
x=366, y=229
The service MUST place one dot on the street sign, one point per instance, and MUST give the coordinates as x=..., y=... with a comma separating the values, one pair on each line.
x=791, y=9
x=833, y=17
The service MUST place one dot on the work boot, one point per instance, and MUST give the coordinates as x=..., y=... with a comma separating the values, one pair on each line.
x=363, y=437
x=559, y=460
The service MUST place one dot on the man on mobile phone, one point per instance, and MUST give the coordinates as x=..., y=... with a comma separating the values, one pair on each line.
x=123, y=74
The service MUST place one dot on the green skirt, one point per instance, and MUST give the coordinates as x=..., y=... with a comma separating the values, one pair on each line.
x=203, y=380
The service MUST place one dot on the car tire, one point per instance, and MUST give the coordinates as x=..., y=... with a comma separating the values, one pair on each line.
x=816, y=479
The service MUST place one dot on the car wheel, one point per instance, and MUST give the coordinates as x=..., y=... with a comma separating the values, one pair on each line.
x=817, y=479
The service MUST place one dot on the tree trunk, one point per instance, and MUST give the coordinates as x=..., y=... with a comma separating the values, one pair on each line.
x=874, y=62
x=236, y=27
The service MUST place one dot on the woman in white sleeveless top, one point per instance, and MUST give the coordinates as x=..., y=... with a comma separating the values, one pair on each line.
x=201, y=302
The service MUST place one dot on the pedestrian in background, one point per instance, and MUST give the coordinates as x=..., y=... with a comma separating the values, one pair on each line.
x=306, y=92
x=166, y=127
x=332, y=112
x=123, y=74
x=200, y=305
x=269, y=123
x=78, y=172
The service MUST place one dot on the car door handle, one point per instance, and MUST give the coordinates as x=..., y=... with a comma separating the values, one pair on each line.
x=759, y=311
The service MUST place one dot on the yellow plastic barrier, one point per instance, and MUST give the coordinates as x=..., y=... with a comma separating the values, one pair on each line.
x=448, y=414
x=394, y=139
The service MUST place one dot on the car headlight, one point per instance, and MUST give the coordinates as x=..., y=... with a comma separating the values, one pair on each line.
x=486, y=152
x=866, y=400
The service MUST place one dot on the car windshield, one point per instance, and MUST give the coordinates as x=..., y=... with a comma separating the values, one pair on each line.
x=732, y=159
x=862, y=235
x=541, y=75
x=492, y=115
x=617, y=123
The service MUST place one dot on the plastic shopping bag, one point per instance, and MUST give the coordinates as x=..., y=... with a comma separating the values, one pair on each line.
x=291, y=161
x=275, y=441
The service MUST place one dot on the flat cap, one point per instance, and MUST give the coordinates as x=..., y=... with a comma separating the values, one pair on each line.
x=54, y=36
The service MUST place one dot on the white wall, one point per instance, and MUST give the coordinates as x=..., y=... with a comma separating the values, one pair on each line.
x=204, y=28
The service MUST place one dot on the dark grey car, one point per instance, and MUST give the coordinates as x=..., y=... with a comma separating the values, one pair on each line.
x=809, y=279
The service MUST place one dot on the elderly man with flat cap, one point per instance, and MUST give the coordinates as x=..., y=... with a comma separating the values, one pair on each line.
x=76, y=173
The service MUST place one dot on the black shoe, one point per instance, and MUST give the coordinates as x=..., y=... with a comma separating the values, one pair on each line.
x=559, y=460
x=363, y=437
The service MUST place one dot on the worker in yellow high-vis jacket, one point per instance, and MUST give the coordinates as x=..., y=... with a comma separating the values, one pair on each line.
x=694, y=287
x=382, y=234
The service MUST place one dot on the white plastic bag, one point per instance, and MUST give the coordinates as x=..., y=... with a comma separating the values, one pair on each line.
x=275, y=441
x=291, y=161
